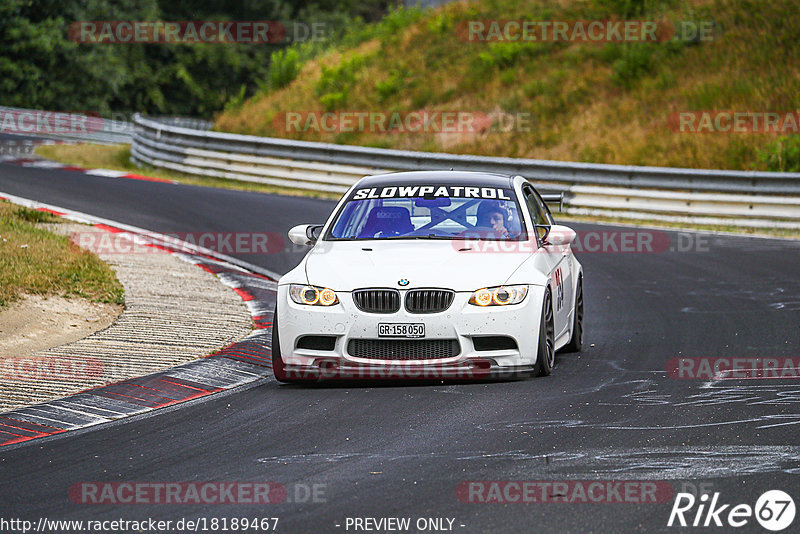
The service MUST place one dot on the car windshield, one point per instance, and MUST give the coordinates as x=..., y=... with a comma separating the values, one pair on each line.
x=456, y=213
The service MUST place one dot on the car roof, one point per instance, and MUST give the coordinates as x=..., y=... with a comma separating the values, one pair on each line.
x=468, y=178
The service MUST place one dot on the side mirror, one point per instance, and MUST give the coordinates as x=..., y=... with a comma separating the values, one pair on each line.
x=560, y=235
x=305, y=234
x=543, y=232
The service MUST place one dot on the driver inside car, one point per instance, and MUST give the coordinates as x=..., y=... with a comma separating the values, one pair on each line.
x=491, y=215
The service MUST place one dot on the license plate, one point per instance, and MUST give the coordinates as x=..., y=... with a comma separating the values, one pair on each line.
x=401, y=329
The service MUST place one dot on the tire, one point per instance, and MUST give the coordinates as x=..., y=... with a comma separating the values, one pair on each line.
x=546, y=355
x=576, y=341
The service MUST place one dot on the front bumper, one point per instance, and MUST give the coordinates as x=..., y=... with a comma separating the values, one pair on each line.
x=323, y=370
x=461, y=322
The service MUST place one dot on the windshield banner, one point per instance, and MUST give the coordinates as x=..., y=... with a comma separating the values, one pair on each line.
x=432, y=191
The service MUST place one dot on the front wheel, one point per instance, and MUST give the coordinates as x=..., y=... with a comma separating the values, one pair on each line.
x=576, y=342
x=546, y=357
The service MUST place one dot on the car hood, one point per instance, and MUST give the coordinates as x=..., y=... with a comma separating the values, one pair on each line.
x=344, y=266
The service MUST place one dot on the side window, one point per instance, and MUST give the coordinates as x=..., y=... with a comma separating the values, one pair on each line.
x=544, y=209
x=534, y=207
x=536, y=212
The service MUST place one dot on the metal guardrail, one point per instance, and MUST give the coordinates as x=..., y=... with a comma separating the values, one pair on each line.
x=69, y=126
x=742, y=198
x=186, y=122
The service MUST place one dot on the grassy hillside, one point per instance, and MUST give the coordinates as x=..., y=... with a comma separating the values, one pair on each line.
x=604, y=103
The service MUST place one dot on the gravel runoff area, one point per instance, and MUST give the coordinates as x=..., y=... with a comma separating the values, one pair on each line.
x=174, y=312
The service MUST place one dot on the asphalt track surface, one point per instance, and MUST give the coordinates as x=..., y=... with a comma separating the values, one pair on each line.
x=610, y=413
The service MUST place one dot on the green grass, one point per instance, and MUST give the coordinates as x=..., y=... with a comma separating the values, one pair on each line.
x=35, y=261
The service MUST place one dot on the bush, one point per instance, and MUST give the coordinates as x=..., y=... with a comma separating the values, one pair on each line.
x=390, y=26
x=335, y=82
x=440, y=24
x=391, y=86
x=636, y=61
x=783, y=155
x=284, y=66
x=331, y=101
x=386, y=29
x=237, y=100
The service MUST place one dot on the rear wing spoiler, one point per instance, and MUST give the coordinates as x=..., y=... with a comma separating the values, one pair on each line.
x=554, y=198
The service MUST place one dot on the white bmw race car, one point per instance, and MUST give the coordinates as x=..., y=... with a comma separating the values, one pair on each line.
x=430, y=274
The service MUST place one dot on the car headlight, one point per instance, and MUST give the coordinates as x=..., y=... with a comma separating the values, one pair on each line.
x=499, y=296
x=313, y=295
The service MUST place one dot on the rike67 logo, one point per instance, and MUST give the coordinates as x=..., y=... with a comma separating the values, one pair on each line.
x=774, y=510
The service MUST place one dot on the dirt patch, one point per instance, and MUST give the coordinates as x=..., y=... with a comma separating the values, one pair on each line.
x=36, y=323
